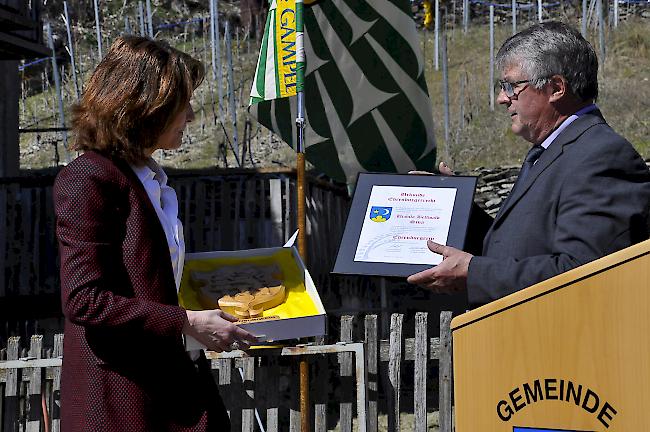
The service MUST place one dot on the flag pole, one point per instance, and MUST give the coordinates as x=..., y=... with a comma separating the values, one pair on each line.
x=300, y=131
x=301, y=199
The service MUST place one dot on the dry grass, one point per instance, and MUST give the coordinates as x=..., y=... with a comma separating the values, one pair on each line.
x=478, y=136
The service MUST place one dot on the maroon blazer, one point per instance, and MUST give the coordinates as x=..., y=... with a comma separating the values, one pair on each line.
x=124, y=364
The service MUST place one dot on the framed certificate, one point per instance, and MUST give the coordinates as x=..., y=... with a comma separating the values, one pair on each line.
x=393, y=215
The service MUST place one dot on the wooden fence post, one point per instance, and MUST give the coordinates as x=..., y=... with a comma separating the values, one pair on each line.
x=273, y=401
x=247, y=372
x=445, y=373
x=11, y=389
x=34, y=411
x=225, y=371
x=294, y=410
x=372, y=354
x=55, y=414
x=320, y=382
x=394, y=371
x=420, y=368
x=345, y=369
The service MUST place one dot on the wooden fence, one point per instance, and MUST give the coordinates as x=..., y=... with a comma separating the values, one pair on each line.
x=260, y=391
x=220, y=210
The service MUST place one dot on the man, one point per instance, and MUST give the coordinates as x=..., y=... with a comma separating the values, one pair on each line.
x=583, y=191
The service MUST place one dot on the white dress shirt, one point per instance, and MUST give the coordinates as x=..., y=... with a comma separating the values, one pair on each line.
x=549, y=139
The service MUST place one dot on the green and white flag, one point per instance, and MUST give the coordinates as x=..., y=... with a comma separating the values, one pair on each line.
x=366, y=99
x=281, y=53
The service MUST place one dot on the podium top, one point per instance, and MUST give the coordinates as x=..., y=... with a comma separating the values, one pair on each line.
x=553, y=284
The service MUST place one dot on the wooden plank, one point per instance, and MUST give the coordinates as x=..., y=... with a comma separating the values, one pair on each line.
x=319, y=235
x=394, y=372
x=26, y=250
x=445, y=373
x=320, y=391
x=275, y=192
x=226, y=225
x=236, y=395
x=311, y=224
x=225, y=383
x=272, y=381
x=11, y=389
x=237, y=218
x=13, y=231
x=3, y=238
x=184, y=195
x=345, y=371
x=289, y=216
x=294, y=409
x=37, y=229
x=34, y=409
x=259, y=215
x=212, y=239
x=372, y=354
x=198, y=227
x=50, y=277
x=261, y=221
x=185, y=190
x=248, y=234
x=332, y=229
x=420, y=368
x=248, y=404
x=55, y=410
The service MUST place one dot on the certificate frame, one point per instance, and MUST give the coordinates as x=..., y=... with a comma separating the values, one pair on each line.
x=464, y=198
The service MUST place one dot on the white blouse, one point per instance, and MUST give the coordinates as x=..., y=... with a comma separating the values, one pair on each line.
x=165, y=202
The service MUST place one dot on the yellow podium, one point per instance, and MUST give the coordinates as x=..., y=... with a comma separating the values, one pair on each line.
x=571, y=353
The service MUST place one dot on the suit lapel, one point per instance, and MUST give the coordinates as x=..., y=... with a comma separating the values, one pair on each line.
x=160, y=240
x=555, y=150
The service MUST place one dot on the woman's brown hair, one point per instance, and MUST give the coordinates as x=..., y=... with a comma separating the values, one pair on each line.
x=132, y=96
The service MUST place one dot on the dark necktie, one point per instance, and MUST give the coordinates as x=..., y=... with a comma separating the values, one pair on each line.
x=533, y=154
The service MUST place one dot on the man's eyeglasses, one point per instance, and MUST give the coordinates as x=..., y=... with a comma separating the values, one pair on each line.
x=509, y=87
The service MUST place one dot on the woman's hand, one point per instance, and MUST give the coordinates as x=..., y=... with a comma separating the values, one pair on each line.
x=216, y=330
x=445, y=170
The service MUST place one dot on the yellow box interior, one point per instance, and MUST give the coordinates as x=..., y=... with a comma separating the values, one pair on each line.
x=298, y=302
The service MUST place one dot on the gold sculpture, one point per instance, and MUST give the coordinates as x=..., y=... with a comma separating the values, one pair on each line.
x=243, y=290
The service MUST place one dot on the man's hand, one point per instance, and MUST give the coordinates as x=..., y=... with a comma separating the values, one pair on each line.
x=450, y=276
x=442, y=167
x=216, y=330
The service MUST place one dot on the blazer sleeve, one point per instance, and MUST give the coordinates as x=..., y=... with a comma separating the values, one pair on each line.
x=89, y=232
x=602, y=208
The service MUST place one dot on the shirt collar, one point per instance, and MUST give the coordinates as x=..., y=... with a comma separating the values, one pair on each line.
x=589, y=108
x=150, y=170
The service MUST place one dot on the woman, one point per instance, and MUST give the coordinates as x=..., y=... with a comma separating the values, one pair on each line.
x=125, y=366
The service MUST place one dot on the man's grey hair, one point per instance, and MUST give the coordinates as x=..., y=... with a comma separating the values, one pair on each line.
x=553, y=48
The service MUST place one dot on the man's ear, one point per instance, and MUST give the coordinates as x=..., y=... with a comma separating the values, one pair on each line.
x=559, y=87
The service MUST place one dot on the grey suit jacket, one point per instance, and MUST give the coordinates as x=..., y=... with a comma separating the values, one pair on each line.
x=586, y=197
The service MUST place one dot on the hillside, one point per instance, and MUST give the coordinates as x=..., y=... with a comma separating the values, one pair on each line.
x=477, y=136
